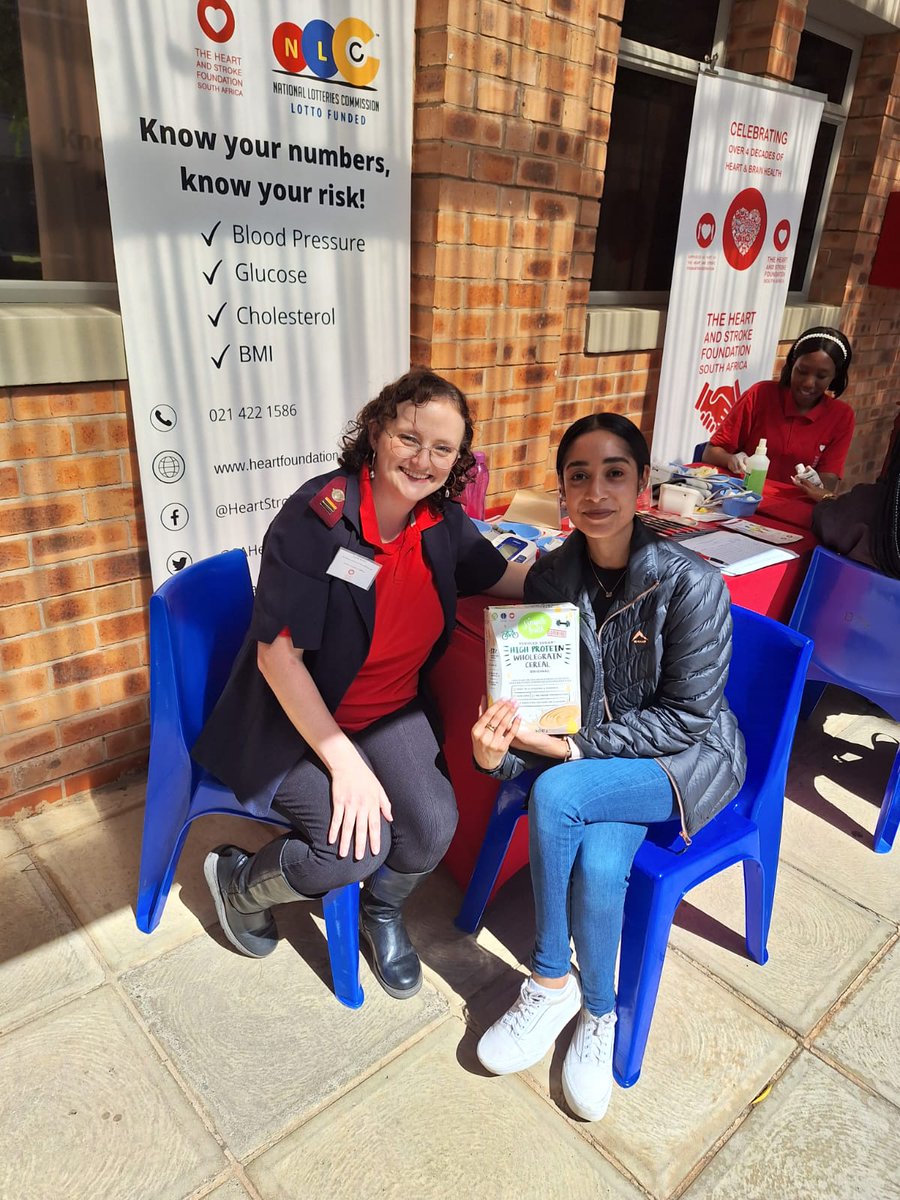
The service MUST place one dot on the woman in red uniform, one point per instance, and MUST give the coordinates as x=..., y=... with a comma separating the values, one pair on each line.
x=325, y=718
x=800, y=415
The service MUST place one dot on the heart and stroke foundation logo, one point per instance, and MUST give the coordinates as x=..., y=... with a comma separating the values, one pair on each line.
x=744, y=229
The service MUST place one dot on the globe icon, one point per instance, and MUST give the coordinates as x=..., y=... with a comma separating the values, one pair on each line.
x=168, y=466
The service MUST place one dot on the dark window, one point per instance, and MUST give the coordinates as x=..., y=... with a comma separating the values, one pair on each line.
x=815, y=192
x=823, y=66
x=19, y=255
x=54, y=215
x=686, y=29
x=650, y=130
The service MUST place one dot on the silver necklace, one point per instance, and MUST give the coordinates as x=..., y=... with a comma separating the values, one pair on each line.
x=607, y=592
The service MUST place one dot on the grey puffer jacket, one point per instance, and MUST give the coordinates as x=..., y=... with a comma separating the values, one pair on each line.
x=653, y=676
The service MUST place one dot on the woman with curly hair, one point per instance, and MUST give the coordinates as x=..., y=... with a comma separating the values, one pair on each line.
x=325, y=719
x=799, y=414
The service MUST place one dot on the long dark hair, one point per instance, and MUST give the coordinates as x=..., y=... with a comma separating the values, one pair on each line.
x=609, y=422
x=884, y=537
x=835, y=344
x=417, y=386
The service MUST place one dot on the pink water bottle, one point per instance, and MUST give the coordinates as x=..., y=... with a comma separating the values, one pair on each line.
x=475, y=491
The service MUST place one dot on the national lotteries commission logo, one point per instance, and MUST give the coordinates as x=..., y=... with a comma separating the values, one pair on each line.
x=340, y=53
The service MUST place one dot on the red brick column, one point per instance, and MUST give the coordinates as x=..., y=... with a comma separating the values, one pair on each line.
x=868, y=171
x=764, y=37
x=502, y=162
x=74, y=582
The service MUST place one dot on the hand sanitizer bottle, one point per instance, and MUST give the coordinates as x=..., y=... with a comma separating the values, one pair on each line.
x=808, y=475
x=757, y=469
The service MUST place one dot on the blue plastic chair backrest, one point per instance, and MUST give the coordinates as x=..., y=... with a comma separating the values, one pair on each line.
x=698, y=451
x=198, y=620
x=852, y=613
x=764, y=689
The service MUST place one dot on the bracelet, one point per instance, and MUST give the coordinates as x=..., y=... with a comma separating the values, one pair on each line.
x=828, y=496
x=569, y=748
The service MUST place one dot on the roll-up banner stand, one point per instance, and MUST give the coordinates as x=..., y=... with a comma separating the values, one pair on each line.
x=747, y=169
x=258, y=160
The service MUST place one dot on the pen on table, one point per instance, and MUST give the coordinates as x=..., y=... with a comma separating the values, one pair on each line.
x=719, y=562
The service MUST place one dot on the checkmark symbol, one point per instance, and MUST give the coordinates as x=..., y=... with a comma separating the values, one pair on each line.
x=211, y=277
x=208, y=237
x=215, y=320
x=218, y=361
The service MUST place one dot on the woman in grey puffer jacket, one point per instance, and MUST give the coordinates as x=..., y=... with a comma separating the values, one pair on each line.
x=658, y=741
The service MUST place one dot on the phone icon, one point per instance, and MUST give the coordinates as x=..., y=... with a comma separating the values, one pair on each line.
x=163, y=418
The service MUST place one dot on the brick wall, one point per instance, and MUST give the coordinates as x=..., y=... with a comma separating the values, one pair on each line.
x=74, y=582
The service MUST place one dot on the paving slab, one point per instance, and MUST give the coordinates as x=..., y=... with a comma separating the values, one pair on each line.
x=44, y=961
x=817, y=1136
x=865, y=1034
x=265, y=1043
x=10, y=842
x=826, y=835
x=57, y=820
x=818, y=943
x=457, y=963
x=93, y=1114
x=709, y=1054
x=426, y=1127
x=96, y=868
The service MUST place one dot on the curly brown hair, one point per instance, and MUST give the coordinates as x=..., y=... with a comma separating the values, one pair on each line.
x=418, y=386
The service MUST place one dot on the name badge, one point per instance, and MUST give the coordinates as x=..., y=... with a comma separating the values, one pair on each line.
x=353, y=568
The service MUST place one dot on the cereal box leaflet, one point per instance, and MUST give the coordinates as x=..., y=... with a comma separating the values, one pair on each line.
x=532, y=655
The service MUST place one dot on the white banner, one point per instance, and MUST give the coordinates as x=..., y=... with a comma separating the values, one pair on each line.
x=745, y=180
x=258, y=171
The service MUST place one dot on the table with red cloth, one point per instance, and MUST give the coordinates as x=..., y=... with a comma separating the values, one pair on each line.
x=458, y=680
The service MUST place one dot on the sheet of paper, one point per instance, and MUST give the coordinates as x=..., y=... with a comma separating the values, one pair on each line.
x=736, y=554
x=533, y=507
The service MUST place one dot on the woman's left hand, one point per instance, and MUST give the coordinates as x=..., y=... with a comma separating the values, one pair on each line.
x=493, y=732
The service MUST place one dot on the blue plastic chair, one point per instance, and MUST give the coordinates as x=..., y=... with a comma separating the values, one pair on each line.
x=198, y=620
x=764, y=688
x=852, y=613
x=698, y=451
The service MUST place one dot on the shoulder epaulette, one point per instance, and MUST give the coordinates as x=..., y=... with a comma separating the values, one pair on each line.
x=328, y=503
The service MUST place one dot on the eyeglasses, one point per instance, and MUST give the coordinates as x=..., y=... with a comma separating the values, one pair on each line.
x=407, y=446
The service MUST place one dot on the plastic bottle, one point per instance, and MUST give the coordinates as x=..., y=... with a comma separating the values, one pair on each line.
x=808, y=475
x=757, y=469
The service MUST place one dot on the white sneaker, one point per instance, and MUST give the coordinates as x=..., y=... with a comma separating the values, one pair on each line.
x=587, y=1076
x=523, y=1035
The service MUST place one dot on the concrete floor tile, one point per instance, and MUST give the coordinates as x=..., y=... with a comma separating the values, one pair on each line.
x=97, y=1115
x=427, y=1126
x=818, y=943
x=266, y=1042
x=457, y=963
x=865, y=1034
x=10, y=842
x=817, y=1136
x=832, y=854
x=96, y=868
x=60, y=819
x=43, y=960
x=707, y=1057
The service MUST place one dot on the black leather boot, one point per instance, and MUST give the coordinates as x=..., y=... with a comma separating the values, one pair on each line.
x=394, y=959
x=244, y=887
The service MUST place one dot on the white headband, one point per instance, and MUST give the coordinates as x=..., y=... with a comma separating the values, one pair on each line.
x=828, y=337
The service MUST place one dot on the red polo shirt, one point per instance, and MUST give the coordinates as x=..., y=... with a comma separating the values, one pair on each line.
x=819, y=438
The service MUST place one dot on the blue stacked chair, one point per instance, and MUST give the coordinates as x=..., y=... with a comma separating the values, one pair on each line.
x=852, y=613
x=765, y=686
x=198, y=620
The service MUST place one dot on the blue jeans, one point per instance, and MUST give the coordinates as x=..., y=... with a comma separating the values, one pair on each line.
x=586, y=821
